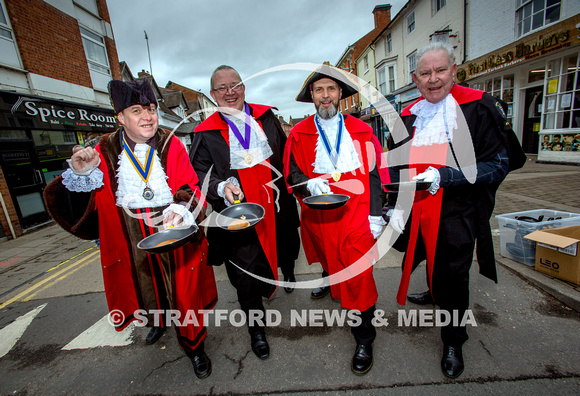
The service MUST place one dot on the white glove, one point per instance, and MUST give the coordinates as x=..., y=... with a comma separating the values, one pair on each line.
x=184, y=217
x=377, y=223
x=431, y=175
x=318, y=187
x=396, y=220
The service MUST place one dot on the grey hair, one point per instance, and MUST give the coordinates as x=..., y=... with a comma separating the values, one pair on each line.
x=436, y=46
x=222, y=67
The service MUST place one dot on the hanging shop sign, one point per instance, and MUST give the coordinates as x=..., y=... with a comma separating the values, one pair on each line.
x=554, y=38
x=28, y=111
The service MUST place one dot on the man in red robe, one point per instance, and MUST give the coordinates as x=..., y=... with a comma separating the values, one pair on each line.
x=238, y=151
x=457, y=140
x=134, y=183
x=328, y=153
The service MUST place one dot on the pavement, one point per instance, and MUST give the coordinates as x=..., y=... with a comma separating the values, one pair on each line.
x=34, y=257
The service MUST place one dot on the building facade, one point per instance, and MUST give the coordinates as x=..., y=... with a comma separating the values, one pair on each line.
x=528, y=55
x=56, y=59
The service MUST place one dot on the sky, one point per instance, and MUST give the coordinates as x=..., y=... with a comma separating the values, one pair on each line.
x=188, y=39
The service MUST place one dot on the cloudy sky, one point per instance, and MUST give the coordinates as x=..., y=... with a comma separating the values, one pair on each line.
x=188, y=39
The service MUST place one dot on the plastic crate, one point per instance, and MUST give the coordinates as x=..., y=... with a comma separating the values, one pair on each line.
x=512, y=231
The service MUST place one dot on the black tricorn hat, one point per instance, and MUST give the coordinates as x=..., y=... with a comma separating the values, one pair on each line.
x=124, y=94
x=344, y=81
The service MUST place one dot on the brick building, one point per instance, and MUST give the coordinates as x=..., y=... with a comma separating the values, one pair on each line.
x=56, y=59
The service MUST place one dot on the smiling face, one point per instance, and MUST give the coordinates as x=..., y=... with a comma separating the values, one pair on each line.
x=435, y=75
x=326, y=95
x=140, y=122
x=223, y=91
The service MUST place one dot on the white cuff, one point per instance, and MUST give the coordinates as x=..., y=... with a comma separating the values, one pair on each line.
x=78, y=183
x=221, y=188
x=187, y=217
x=436, y=179
x=86, y=170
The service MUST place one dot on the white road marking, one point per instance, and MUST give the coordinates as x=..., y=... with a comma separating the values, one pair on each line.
x=10, y=334
x=101, y=334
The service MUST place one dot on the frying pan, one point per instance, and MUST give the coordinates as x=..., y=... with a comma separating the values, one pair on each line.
x=326, y=201
x=251, y=212
x=182, y=236
x=408, y=186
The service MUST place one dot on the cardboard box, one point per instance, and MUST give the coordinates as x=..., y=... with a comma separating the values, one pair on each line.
x=557, y=252
x=512, y=231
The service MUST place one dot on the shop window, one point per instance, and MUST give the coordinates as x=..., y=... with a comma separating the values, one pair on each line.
x=536, y=75
x=502, y=87
x=562, y=93
x=13, y=135
x=95, y=51
x=532, y=15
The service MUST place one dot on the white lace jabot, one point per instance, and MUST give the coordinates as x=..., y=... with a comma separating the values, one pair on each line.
x=347, y=161
x=435, y=122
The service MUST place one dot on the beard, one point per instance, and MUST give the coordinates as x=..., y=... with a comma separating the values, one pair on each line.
x=327, y=114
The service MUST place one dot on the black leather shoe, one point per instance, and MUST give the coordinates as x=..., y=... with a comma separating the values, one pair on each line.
x=154, y=335
x=421, y=298
x=201, y=365
x=452, y=361
x=319, y=292
x=260, y=345
x=362, y=361
x=291, y=278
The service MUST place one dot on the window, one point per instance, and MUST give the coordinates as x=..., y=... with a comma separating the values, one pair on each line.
x=388, y=44
x=392, y=83
x=382, y=81
x=562, y=94
x=8, y=51
x=95, y=51
x=501, y=87
x=437, y=5
x=534, y=14
x=412, y=63
x=366, y=61
x=411, y=22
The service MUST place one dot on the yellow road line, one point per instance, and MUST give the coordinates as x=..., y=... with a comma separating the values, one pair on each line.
x=36, y=286
x=70, y=259
x=28, y=298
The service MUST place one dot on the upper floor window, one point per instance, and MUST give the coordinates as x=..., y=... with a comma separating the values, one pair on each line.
x=8, y=51
x=382, y=81
x=392, y=82
x=388, y=44
x=366, y=62
x=412, y=63
x=437, y=5
x=411, y=22
x=534, y=14
x=95, y=50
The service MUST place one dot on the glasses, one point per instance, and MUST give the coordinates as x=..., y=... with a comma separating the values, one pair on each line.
x=237, y=87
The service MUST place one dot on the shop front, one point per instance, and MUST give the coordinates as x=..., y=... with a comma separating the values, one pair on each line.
x=538, y=77
x=36, y=138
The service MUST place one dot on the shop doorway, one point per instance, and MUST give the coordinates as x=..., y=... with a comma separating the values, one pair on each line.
x=532, y=118
x=23, y=175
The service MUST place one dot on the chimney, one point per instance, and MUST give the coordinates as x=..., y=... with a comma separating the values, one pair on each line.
x=143, y=73
x=382, y=15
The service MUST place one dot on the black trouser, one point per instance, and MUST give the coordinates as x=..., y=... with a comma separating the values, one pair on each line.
x=251, y=257
x=288, y=248
x=365, y=333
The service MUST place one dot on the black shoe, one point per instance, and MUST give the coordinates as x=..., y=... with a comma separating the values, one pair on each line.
x=452, y=361
x=362, y=361
x=260, y=345
x=319, y=292
x=201, y=365
x=421, y=298
x=291, y=278
x=154, y=335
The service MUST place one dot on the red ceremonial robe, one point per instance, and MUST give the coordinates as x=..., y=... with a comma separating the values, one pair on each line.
x=192, y=284
x=256, y=183
x=338, y=238
x=426, y=209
